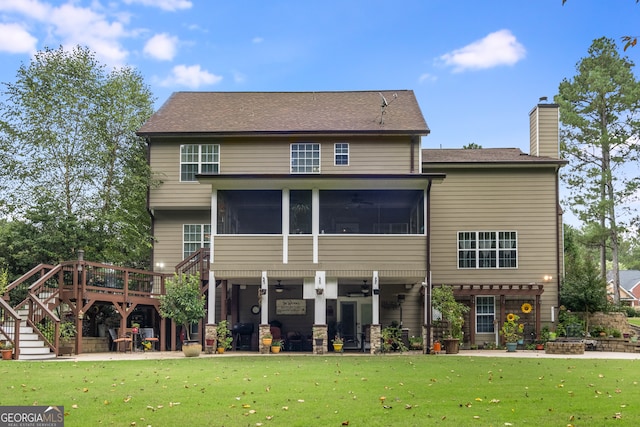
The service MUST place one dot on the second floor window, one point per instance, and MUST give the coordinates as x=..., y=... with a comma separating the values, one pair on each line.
x=196, y=159
x=487, y=249
x=305, y=158
x=194, y=237
x=341, y=154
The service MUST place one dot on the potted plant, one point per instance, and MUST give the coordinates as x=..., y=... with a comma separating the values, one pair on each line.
x=184, y=304
x=267, y=339
x=453, y=313
x=7, y=350
x=338, y=343
x=135, y=327
x=275, y=346
x=68, y=334
x=512, y=330
x=223, y=336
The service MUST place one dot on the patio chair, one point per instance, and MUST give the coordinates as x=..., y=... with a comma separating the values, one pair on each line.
x=127, y=339
x=148, y=334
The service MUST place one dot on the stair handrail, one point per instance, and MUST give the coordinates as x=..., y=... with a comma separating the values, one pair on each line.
x=9, y=313
x=35, y=305
x=199, y=258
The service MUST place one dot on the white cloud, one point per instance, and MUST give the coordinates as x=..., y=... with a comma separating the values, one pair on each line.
x=162, y=47
x=15, y=39
x=32, y=8
x=83, y=26
x=257, y=40
x=499, y=48
x=169, y=5
x=191, y=76
x=426, y=77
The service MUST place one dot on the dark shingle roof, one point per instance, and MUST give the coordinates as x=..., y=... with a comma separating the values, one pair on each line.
x=482, y=155
x=278, y=112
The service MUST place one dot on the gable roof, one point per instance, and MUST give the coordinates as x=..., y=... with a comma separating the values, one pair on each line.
x=483, y=156
x=290, y=112
x=629, y=279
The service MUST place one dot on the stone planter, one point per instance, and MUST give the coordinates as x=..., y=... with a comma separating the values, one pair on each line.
x=191, y=348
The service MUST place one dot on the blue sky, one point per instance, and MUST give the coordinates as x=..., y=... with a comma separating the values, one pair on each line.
x=477, y=67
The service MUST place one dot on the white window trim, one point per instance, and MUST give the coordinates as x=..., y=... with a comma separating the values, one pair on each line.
x=203, y=242
x=478, y=250
x=200, y=162
x=291, y=158
x=485, y=314
x=336, y=154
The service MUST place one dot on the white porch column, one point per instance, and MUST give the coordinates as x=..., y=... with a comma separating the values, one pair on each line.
x=211, y=301
x=286, y=200
x=320, y=311
x=375, y=299
x=315, y=221
x=264, y=299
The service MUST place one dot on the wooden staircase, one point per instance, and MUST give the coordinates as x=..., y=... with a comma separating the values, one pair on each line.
x=30, y=344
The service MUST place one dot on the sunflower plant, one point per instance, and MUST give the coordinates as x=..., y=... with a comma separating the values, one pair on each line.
x=512, y=330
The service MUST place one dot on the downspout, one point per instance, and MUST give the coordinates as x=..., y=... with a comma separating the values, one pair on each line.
x=149, y=211
x=428, y=268
x=559, y=234
x=412, y=155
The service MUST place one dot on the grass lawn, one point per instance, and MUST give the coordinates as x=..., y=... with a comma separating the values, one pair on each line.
x=335, y=390
x=634, y=320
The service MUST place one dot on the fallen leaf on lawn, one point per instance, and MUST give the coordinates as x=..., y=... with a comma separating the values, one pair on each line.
x=382, y=398
x=85, y=389
x=253, y=411
x=617, y=415
x=160, y=406
x=133, y=423
x=285, y=408
x=345, y=423
x=106, y=402
x=408, y=406
x=74, y=406
x=618, y=390
x=127, y=399
x=508, y=424
x=478, y=399
x=476, y=417
x=600, y=376
x=495, y=401
x=246, y=405
x=259, y=424
x=269, y=417
x=301, y=400
x=387, y=407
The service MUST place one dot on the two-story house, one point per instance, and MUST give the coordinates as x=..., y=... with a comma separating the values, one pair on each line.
x=324, y=216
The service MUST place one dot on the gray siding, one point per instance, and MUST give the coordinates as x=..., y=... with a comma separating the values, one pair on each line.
x=497, y=200
x=271, y=156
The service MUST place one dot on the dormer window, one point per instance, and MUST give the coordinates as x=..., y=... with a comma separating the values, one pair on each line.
x=305, y=158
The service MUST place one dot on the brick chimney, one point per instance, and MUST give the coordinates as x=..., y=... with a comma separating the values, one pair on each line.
x=544, y=130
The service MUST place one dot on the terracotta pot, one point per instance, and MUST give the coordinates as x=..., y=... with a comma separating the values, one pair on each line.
x=7, y=354
x=437, y=347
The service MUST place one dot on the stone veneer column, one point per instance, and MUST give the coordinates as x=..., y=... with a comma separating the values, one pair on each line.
x=320, y=332
x=210, y=332
x=264, y=330
x=376, y=339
